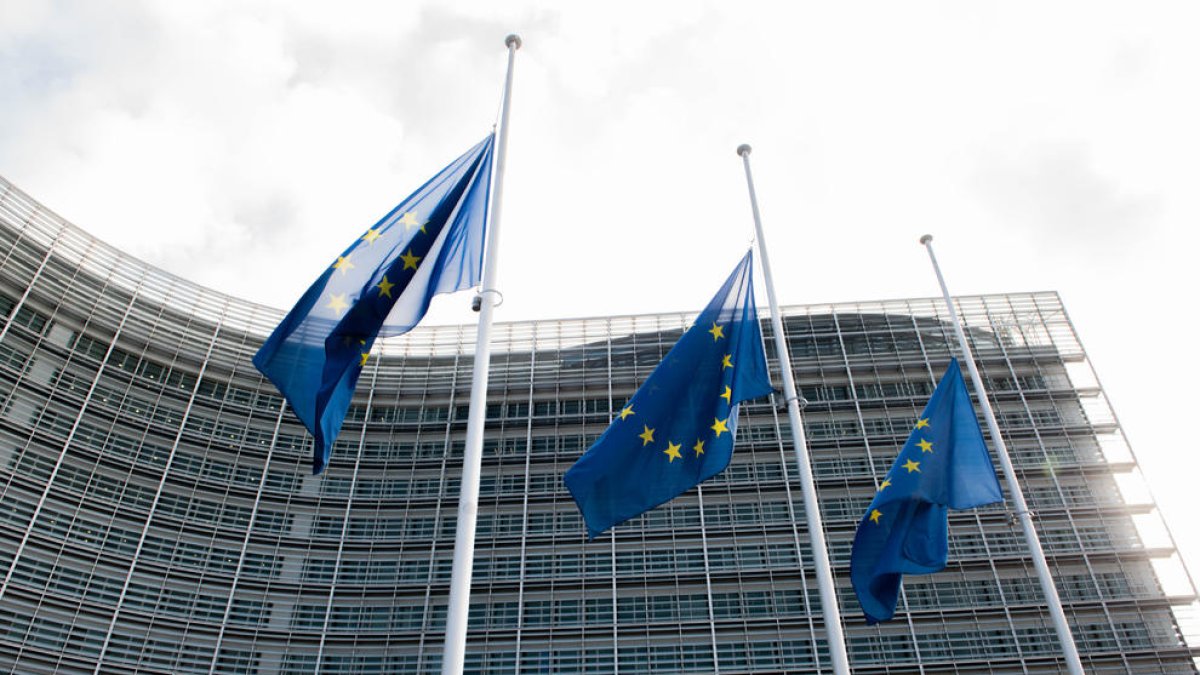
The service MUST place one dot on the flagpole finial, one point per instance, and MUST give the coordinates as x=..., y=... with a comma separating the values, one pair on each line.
x=513, y=39
x=743, y=150
x=926, y=238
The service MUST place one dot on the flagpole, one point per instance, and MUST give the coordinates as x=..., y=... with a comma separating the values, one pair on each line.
x=468, y=500
x=816, y=530
x=1070, y=653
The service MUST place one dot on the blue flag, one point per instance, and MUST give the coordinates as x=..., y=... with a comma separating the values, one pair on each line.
x=379, y=287
x=677, y=430
x=944, y=465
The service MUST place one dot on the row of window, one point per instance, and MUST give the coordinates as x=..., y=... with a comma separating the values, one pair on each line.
x=60, y=637
x=219, y=470
x=175, y=378
x=91, y=531
x=600, y=410
x=865, y=649
x=412, y=527
x=696, y=654
x=103, y=587
x=239, y=435
x=934, y=592
x=807, y=339
x=635, y=610
x=431, y=414
x=915, y=389
x=167, y=414
x=568, y=522
x=552, y=614
x=1000, y=642
x=32, y=319
x=146, y=452
x=84, y=529
x=632, y=659
x=69, y=578
x=128, y=493
x=390, y=571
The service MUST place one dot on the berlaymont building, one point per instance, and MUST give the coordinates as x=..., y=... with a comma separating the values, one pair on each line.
x=157, y=512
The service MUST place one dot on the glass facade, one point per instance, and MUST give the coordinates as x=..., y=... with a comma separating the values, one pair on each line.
x=157, y=514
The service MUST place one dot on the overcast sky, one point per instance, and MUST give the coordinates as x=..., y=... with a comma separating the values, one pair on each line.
x=1046, y=145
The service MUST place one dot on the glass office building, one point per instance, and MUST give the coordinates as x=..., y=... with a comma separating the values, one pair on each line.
x=157, y=512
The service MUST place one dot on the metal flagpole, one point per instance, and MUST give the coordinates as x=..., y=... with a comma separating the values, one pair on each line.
x=1070, y=653
x=816, y=531
x=468, y=500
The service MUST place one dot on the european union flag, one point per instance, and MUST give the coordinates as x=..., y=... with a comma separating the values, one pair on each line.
x=944, y=464
x=379, y=287
x=678, y=428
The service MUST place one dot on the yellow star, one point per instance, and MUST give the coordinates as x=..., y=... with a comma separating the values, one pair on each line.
x=647, y=435
x=410, y=260
x=338, y=303
x=409, y=221
x=726, y=363
x=364, y=360
x=699, y=447
x=626, y=411
x=672, y=452
x=385, y=287
x=371, y=235
x=887, y=482
x=912, y=466
x=718, y=332
x=923, y=423
x=343, y=263
x=719, y=426
x=875, y=514
x=925, y=446
x=728, y=395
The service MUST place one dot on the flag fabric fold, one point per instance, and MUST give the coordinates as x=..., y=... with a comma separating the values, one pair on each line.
x=943, y=465
x=380, y=286
x=677, y=430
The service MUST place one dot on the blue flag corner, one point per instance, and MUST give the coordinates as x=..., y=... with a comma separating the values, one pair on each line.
x=380, y=286
x=943, y=465
x=677, y=430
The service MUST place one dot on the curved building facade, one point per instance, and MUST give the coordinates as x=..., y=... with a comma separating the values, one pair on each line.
x=157, y=514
